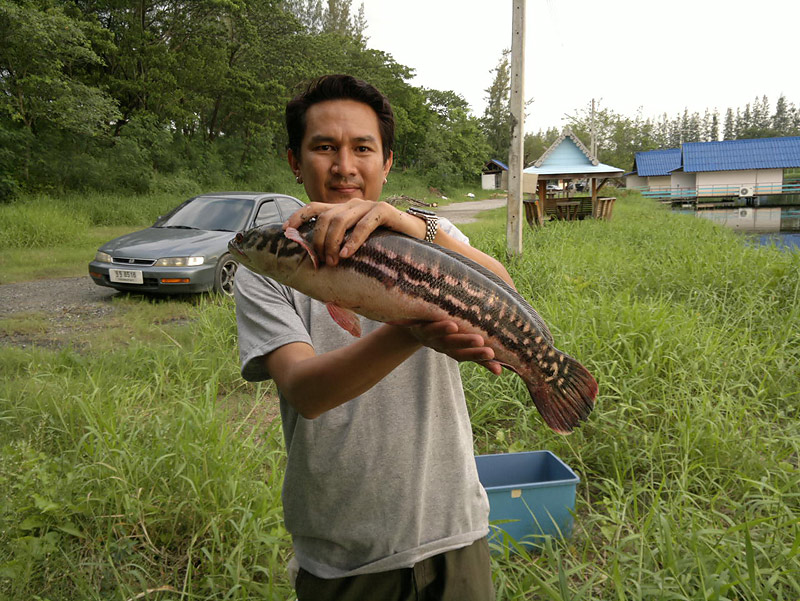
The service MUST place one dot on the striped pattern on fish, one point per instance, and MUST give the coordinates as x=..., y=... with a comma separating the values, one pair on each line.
x=394, y=278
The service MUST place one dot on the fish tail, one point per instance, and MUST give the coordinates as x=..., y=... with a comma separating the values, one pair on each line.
x=563, y=391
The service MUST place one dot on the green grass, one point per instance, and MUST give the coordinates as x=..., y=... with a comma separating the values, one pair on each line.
x=139, y=460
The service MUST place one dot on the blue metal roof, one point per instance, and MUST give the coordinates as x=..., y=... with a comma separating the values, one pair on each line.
x=499, y=164
x=657, y=162
x=760, y=153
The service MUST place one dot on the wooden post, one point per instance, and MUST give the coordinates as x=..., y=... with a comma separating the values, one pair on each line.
x=542, y=199
x=594, y=198
x=515, y=154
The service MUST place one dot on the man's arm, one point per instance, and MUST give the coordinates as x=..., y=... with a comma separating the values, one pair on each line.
x=314, y=384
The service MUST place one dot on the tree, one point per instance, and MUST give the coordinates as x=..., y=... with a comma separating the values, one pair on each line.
x=496, y=121
x=43, y=50
x=783, y=117
x=713, y=132
x=744, y=121
x=333, y=16
x=729, y=132
x=536, y=144
x=455, y=147
x=43, y=88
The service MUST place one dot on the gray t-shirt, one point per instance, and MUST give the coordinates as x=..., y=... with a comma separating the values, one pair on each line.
x=382, y=481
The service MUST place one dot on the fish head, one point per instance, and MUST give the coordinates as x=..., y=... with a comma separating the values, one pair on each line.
x=268, y=250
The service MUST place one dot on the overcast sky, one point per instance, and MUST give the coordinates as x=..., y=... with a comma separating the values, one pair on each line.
x=660, y=56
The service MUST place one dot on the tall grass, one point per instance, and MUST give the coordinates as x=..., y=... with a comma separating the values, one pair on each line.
x=689, y=465
x=140, y=461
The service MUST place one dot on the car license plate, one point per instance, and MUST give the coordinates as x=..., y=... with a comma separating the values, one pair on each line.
x=125, y=276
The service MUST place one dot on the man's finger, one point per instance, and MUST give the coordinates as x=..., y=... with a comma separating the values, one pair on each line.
x=367, y=224
x=492, y=366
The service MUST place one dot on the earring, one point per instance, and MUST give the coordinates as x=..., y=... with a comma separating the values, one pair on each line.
x=299, y=179
x=385, y=181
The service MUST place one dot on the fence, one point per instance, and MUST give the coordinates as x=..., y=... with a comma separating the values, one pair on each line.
x=721, y=190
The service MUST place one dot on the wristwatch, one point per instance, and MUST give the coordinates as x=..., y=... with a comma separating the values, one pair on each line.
x=430, y=219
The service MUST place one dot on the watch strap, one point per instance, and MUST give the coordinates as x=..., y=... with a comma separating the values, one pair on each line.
x=431, y=222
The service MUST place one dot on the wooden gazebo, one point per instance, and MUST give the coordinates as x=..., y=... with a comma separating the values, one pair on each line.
x=562, y=168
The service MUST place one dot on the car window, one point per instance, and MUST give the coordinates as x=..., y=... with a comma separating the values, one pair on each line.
x=288, y=206
x=208, y=213
x=267, y=213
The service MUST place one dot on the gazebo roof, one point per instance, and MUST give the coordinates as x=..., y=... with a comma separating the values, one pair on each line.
x=568, y=158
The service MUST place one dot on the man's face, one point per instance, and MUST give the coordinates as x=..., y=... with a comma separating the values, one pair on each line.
x=341, y=156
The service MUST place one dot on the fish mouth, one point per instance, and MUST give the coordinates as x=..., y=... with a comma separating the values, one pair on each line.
x=235, y=245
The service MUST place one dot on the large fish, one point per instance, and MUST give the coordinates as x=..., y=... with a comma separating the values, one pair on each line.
x=397, y=279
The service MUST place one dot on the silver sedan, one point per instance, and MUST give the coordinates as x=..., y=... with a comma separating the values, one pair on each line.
x=187, y=249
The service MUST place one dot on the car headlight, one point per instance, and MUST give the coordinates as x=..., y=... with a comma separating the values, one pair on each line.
x=102, y=257
x=180, y=262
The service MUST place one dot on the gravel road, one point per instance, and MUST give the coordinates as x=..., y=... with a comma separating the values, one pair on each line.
x=466, y=212
x=53, y=313
x=55, y=295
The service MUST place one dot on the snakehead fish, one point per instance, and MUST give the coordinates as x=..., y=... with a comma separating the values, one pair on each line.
x=398, y=279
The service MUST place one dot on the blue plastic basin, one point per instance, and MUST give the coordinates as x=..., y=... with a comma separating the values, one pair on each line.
x=531, y=496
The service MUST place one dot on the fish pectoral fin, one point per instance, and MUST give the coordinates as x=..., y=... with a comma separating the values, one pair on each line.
x=346, y=319
x=295, y=236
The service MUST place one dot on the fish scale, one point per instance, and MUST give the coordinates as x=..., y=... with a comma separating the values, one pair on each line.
x=398, y=279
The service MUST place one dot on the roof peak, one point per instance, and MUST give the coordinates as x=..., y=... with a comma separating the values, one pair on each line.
x=566, y=133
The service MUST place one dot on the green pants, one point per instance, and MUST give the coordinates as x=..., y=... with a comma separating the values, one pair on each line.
x=459, y=575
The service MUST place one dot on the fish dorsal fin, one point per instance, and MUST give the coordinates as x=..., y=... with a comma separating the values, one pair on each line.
x=500, y=282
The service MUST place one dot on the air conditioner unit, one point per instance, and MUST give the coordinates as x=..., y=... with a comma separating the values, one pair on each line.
x=747, y=191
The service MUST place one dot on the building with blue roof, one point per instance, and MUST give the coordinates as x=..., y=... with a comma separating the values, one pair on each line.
x=657, y=162
x=494, y=175
x=751, y=169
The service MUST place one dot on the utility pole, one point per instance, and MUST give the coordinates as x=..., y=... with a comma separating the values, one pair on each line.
x=515, y=162
x=593, y=145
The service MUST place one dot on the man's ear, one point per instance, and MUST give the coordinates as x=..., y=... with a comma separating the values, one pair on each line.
x=294, y=163
x=388, y=164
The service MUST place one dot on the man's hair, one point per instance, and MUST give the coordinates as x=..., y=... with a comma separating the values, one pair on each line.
x=339, y=87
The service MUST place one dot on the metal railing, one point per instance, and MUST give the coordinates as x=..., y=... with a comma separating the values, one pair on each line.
x=667, y=193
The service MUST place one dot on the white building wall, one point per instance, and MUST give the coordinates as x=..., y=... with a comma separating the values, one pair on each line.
x=635, y=181
x=716, y=183
x=682, y=180
x=769, y=181
x=661, y=182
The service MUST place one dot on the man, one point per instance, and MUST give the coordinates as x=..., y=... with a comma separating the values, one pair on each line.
x=381, y=494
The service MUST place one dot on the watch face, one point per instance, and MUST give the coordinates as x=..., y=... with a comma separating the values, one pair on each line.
x=422, y=211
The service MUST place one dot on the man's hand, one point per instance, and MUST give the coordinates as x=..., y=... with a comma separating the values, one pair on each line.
x=444, y=337
x=333, y=221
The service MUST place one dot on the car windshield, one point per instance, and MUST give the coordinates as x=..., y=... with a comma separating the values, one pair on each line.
x=221, y=214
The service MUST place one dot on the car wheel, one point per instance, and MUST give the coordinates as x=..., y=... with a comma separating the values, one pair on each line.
x=224, y=276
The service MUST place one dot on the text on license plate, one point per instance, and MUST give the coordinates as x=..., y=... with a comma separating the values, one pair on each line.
x=125, y=276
